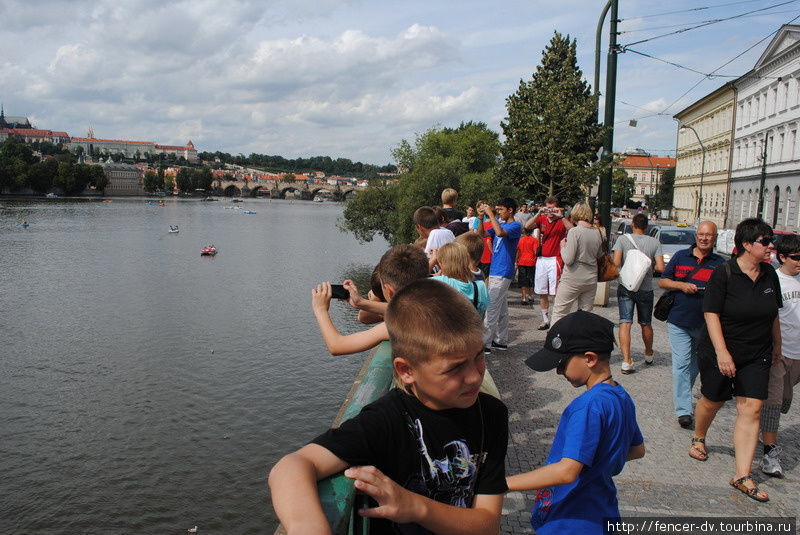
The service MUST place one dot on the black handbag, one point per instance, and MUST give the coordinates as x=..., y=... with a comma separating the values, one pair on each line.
x=667, y=299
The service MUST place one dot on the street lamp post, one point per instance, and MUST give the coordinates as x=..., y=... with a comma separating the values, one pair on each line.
x=702, y=167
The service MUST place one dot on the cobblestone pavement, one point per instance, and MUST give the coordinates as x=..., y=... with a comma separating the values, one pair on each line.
x=666, y=482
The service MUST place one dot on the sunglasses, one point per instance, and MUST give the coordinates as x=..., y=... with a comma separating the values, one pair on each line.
x=765, y=241
x=795, y=257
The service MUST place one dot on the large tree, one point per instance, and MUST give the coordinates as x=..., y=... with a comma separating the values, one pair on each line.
x=463, y=158
x=551, y=130
x=622, y=188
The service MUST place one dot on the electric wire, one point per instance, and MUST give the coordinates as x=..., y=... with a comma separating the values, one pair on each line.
x=706, y=76
x=683, y=30
x=650, y=28
x=693, y=9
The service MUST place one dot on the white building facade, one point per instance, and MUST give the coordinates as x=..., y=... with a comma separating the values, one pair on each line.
x=705, y=133
x=768, y=112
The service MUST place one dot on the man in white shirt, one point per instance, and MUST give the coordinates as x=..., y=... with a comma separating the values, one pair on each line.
x=785, y=371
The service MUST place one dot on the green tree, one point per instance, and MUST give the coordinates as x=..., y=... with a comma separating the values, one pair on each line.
x=152, y=182
x=202, y=178
x=551, y=130
x=41, y=174
x=622, y=188
x=462, y=158
x=15, y=161
x=662, y=200
x=184, y=179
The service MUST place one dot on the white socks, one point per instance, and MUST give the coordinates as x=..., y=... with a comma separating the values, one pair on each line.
x=546, y=315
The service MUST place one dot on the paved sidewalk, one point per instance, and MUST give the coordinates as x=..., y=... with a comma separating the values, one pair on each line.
x=666, y=482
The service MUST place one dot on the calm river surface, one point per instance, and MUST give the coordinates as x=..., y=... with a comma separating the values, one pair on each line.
x=146, y=389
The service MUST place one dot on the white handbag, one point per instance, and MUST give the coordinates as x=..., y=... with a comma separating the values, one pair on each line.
x=636, y=266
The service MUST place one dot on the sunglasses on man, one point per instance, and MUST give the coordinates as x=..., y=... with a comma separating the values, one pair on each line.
x=765, y=241
x=795, y=257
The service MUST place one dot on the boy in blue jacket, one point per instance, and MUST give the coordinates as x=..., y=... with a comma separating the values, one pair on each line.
x=597, y=433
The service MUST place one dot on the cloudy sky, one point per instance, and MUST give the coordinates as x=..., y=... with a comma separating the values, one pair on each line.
x=346, y=78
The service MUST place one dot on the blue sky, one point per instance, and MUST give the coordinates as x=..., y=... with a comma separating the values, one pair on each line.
x=345, y=78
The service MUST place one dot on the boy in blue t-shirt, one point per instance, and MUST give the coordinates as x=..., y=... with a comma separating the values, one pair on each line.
x=597, y=433
x=505, y=233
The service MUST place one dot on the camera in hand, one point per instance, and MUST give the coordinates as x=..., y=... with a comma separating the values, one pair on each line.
x=548, y=210
x=338, y=292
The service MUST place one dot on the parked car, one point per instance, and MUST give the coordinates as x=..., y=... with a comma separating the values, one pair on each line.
x=618, y=228
x=672, y=238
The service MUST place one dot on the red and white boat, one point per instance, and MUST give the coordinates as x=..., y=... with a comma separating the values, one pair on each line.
x=208, y=250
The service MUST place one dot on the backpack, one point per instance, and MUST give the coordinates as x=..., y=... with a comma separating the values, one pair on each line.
x=636, y=266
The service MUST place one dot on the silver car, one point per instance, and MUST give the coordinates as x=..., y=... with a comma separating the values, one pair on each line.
x=672, y=239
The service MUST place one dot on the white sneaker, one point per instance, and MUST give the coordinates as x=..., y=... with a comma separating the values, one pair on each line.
x=627, y=368
x=770, y=463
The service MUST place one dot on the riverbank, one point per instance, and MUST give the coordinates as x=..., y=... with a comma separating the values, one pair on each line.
x=666, y=482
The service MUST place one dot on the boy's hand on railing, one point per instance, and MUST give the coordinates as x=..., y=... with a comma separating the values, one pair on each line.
x=394, y=502
x=321, y=297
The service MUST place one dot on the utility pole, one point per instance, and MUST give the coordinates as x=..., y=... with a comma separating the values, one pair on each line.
x=763, y=178
x=604, y=192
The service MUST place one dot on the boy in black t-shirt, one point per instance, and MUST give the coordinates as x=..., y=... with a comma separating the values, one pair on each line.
x=432, y=454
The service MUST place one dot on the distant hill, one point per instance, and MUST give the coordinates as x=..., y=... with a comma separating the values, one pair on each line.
x=279, y=164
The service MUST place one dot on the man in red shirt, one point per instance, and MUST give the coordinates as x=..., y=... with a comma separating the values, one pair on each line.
x=553, y=227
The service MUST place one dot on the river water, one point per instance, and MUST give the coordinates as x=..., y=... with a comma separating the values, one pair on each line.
x=146, y=389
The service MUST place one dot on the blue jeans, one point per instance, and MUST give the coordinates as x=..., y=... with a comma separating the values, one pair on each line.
x=641, y=299
x=684, y=366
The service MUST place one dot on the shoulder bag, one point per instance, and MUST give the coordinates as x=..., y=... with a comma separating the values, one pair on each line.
x=607, y=270
x=635, y=268
x=667, y=299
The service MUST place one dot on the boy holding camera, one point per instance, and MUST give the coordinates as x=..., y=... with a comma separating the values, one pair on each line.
x=431, y=455
x=596, y=435
x=398, y=266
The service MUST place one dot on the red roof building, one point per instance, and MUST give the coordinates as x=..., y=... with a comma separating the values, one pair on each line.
x=645, y=171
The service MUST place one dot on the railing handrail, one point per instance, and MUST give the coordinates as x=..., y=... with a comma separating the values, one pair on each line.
x=337, y=493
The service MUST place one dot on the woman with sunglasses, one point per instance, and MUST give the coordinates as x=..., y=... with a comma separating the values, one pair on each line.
x=740, y=308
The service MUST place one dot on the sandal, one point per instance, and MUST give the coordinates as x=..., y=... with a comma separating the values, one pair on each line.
x=697, y=453
x=751, y=492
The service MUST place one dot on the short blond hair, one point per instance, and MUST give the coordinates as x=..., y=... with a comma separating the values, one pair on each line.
x=428, y=319
x=474, y=245
x=449, y=196
x=453, y=259
x=581, y=212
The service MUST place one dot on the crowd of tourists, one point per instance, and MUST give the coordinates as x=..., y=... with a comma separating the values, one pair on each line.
x=430, y=454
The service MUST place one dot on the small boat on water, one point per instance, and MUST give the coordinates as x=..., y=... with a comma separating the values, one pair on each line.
x=173, y=229
x=317, y=199
x=249, y=212
x=208, y=199
x=24, y=224
x=106, y=200
x=237, y=200
x=208, y=250
x=51, y=196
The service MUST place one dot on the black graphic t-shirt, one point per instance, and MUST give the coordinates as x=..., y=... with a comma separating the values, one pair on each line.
x=433, y=453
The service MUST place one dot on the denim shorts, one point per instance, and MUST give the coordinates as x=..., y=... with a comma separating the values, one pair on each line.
x=643, y=299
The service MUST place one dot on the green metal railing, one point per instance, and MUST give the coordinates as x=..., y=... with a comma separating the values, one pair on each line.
x=338, y=496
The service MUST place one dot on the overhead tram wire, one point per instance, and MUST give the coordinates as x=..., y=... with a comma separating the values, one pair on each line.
x=716, y=21
x=693, y=9
x=737, y=56
x=650, y=28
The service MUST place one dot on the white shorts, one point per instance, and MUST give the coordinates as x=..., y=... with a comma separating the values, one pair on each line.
x=548, y=271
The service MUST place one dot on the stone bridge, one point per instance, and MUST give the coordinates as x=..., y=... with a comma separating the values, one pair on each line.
x=278, y=190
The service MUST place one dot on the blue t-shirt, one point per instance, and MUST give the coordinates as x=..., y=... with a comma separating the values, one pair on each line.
x=597, y=429
x=504, y=250
x=687, y=311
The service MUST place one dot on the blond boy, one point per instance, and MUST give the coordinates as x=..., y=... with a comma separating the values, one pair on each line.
x=430, y=454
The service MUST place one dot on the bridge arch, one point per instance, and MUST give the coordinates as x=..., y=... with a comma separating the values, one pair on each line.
x=293, y=189
x=232, y=191
x=349, y=193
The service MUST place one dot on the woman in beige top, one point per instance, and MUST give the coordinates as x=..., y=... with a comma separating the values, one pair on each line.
x=579, y=251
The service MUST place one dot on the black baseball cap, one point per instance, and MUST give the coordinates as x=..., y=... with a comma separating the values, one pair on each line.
x=573, y=334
